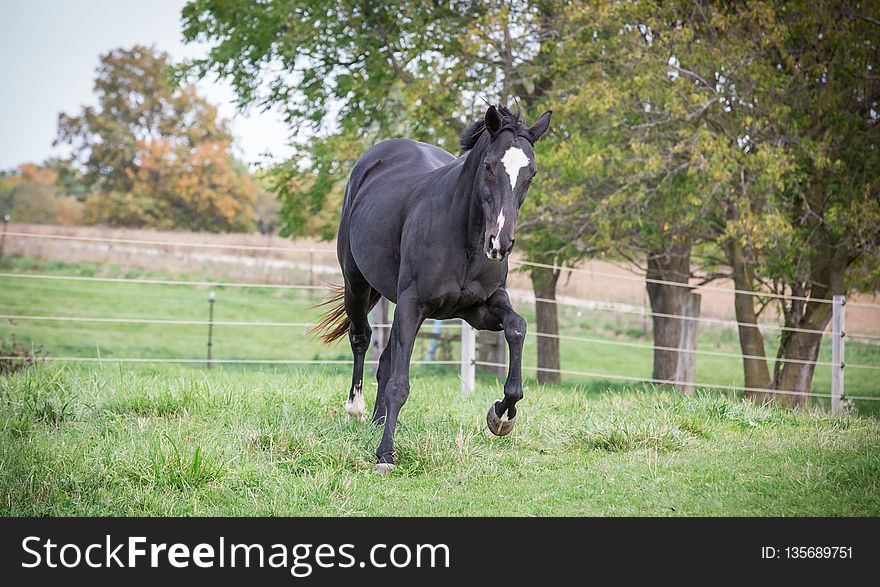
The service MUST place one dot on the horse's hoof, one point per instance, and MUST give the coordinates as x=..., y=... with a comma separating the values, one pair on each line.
x=385, y=468
x=499, y=426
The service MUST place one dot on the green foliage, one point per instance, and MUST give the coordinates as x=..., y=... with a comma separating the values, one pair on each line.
x=352, y=77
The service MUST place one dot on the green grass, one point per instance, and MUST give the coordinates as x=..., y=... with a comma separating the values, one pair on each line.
x=112, y=441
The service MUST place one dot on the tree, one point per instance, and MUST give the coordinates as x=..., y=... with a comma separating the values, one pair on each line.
x=816, y=235
x=152, y=154
x=746, y=135
x=34, y=194
x=634, y=146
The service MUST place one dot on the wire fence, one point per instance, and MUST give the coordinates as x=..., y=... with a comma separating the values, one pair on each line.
x=520, y=262
x=45, y=279
x=225, y=284
x=442, y=324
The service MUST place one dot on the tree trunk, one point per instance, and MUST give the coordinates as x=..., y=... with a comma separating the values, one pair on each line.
x=826, y=280
x=667, y=299
x=544, y=285
x=798, y=377
x=751, y=341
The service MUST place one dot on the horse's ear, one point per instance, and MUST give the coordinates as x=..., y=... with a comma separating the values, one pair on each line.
x=540, y=127
x=493, y=120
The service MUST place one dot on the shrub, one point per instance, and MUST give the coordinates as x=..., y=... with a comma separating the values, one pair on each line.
x=15, y=356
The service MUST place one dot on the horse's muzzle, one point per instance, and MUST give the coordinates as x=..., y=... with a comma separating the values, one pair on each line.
x=495, y=251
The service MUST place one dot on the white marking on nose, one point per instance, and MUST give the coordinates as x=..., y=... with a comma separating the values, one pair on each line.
x=514, y=160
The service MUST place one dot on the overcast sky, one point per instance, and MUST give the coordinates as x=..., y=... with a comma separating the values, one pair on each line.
x=49, y=50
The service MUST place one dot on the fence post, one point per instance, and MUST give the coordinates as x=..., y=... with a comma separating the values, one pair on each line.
x=210, y=326
x=3, y=236
x=468, y=350
x=838, y=328
x=311, y=272
x=379, y=315
x=686, y=367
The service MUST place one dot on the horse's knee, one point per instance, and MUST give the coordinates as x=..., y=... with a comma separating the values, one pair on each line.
x=515, y=330
x=396, y=393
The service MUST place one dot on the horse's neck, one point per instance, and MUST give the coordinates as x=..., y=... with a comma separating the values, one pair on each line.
x=466, y=202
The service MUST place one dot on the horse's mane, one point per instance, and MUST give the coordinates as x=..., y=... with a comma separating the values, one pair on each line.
x=509, y=120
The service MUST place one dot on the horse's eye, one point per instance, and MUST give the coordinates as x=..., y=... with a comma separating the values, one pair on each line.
x=488, y=167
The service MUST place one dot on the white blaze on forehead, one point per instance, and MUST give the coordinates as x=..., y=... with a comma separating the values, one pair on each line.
x=514, y=160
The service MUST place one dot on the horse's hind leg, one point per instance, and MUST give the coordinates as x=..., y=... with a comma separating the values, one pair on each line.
x=359, y=298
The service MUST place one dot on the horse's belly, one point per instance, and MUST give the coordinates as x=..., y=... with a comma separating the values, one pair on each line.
x=376, y=251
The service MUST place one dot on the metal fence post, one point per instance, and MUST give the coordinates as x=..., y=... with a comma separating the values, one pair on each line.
x=838, y=328
x=468, y=352
x=210, y=326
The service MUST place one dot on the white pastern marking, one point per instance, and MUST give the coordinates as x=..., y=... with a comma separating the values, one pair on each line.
x=355, y=407
x=514, y=160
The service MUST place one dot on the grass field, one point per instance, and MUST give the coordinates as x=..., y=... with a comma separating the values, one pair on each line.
x=162, y=439
x=114, y=441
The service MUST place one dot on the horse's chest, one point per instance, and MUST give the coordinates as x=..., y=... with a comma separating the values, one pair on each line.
x=473, y=294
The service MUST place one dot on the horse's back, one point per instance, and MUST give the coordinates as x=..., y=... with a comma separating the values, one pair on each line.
x=381, y=191
x=402, y=161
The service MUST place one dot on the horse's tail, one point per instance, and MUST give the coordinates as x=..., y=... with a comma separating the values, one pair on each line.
x=334, y=323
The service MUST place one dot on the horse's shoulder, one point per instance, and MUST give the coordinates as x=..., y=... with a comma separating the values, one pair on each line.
x=407, y=150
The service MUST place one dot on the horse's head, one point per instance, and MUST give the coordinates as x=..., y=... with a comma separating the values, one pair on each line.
x=504, y=173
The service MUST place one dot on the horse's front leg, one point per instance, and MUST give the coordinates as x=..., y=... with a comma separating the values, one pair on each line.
x=408, y=317
x=498, y=314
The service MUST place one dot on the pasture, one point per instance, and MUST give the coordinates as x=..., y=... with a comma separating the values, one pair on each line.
x=118, y=441
x=153, y=439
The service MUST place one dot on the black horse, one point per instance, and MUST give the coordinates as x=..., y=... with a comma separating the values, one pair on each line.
x=432, y=232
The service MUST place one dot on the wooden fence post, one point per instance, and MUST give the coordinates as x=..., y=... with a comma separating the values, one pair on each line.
x=838, y=332
x=686, y=368
x=491, y=349
x=3, y=236
x=379, y=315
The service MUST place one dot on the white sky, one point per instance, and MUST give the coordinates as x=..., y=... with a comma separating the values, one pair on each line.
x=49, y=50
